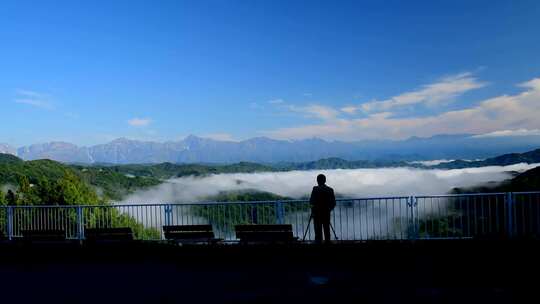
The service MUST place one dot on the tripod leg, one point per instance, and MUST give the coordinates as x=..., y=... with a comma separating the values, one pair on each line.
x=332, y=227
x=307, y=229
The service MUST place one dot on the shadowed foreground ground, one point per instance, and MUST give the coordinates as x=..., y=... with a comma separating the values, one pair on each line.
x=388, y=272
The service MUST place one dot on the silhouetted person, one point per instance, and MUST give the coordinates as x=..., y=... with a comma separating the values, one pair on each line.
x=322, y=203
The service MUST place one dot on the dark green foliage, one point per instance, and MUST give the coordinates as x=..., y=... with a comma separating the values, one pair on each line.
x=8, y=158
x=169, y=170
x=11, y=198
x=11, y=170
x=229, y=215
x=338, y=163
x=46, y=182
x=3, y=200
x=248, y=195
x=113, y=184
x=67, y=190
x=448, y=225
x=526, y=181
x=45, y=174
x=102, y=216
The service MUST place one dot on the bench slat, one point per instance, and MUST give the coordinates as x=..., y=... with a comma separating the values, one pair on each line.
x=265, y=233
x=265, y=236
x=188, y=235
x=187, y=228
x=264, y=227
x=189, y=232
x=44, y=234
x=113, y=234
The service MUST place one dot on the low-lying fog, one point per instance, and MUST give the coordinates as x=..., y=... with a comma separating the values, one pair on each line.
x=354, y=183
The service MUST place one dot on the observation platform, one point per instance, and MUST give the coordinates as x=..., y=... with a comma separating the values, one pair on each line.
x=423, y=271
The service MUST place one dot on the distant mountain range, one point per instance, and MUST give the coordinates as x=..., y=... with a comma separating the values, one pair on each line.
x=195, y=149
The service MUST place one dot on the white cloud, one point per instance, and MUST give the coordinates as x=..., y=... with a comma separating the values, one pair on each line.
x=32, y=98
x=255, y=106
x=350, y=109
x=506, y=112
x=316, y=111
x=71, y=115
x=29, y=94
x=436, y=93
x=276, y=101
x=312, y=110
x=34, y=102
x=139, y=122
x=503, y=133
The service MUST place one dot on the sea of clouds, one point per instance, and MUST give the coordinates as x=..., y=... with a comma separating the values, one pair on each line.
x=363, y=219
x=353, y=183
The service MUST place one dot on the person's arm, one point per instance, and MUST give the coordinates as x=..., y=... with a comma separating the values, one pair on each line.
x=312, y=197
x=332, y=199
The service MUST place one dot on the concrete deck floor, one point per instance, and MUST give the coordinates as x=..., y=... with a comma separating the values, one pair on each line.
x=468, y=271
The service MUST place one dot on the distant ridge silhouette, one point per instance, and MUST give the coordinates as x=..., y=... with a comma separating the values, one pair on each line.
x=195, y=149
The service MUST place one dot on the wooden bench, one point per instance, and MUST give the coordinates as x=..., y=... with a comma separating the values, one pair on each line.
x=108, y=234
x=189, y=233
x=265, y=233
x=43, y=235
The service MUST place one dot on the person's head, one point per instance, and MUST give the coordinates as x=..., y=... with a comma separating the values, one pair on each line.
x=321, y=179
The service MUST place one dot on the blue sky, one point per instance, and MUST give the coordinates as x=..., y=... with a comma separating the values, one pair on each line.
x=90, y=71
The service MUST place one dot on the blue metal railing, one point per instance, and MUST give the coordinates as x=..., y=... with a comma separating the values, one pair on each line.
x=452, y=216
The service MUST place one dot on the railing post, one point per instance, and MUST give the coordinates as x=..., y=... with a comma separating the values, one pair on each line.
x=80, y=225
x=412, y=204
x=416, y=218
x=254, y=217
x=168, y=215
x=279, y=212
x=10, y=222
x=510, y=214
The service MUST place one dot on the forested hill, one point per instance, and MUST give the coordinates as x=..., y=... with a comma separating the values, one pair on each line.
x=12, y=168
x=170, y=170
x=45, y=175
x=530, y=157
x=338, y=163
x=46, y=182
x=526, y=181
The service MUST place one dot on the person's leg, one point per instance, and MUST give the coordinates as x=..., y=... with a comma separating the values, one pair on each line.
x=326, y=226
x=317, y=226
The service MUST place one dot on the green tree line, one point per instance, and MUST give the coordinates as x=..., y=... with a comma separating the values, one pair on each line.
x=46, y=183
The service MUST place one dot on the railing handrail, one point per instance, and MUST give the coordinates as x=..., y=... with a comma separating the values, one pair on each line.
x=526, y=192
x=461, y=194
x=272, y=201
